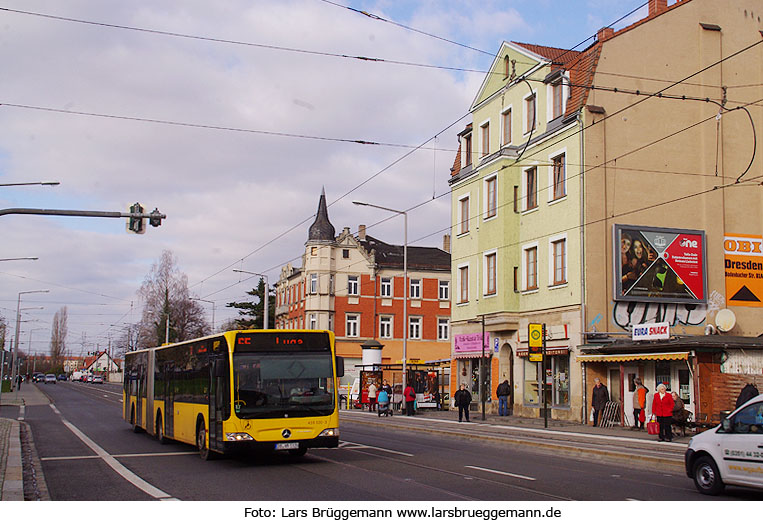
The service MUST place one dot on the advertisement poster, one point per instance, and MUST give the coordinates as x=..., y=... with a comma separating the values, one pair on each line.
x=743, y=262
x=659, y=265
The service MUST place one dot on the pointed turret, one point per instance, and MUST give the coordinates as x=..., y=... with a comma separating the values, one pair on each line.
x=321, y=230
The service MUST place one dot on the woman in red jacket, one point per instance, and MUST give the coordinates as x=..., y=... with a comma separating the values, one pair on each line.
x=662, y=408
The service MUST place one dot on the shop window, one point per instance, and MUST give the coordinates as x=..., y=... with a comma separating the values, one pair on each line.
x=532, y=387
x=561, y=369
x=475, y=385
x=684, y=387
x=662, y=373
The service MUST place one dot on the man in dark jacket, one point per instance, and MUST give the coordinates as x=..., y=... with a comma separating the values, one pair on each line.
x=503, y=391
x=462, y=398
x=747, y=393
x=599, y=400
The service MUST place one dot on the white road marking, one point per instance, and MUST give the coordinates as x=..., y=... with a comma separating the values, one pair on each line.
x=492, y=471
x=22, y=411
x=359, y=445
x=147, y=454
x=118, y=467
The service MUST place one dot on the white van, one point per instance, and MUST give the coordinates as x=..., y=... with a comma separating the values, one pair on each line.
x=731, y=453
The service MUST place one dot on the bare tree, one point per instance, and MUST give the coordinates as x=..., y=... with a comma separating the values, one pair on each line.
x=58, y=335
x=165, y=294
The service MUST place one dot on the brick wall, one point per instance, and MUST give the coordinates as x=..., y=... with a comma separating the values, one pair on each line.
x=719, y=391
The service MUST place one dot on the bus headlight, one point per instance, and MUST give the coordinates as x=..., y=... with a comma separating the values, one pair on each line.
x=329, y=432
x=238, y=436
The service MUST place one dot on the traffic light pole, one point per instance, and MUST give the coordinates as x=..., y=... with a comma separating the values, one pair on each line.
x=154, y=216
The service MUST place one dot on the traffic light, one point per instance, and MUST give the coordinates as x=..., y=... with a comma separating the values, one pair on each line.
x=136, y=225
x=156, y=218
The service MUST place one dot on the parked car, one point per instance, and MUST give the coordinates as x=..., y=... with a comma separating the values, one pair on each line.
x=38, y=377
x=61, y=376
x=50, y=378
x=89, y=377
x=97, y=379
x=729, y=454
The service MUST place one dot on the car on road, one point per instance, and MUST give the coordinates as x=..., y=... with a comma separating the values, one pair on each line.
x=729, y=454
x=61, y=376
x=50, y=378
x=89, y=377
x=97, y=379
x=38, y=377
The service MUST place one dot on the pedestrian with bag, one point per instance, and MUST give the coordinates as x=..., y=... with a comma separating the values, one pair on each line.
x=639, y=404
x=503, y=391
x=462, y=398
x=599, y=399
x=372, y=390
x=410, y=398
x=662, y=408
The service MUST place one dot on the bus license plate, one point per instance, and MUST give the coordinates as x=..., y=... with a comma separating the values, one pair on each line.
x=287, y=446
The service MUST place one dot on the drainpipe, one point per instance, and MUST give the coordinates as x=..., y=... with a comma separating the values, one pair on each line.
x=583, y=326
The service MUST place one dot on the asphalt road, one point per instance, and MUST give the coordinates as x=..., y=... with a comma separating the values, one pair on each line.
x=89, y=453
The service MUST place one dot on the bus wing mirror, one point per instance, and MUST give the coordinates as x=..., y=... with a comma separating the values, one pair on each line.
x=340, y=367
x=219, y=368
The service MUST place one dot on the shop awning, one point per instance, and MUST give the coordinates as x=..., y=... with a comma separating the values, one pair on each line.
x=624, y=357
x=550, y=350
x=471, y=354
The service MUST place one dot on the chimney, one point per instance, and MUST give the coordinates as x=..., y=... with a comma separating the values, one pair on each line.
x=446, y=243
x=362, y=233
x=605, y=33
x=657, y=6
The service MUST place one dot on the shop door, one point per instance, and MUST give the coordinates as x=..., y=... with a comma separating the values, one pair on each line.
x=630, y=372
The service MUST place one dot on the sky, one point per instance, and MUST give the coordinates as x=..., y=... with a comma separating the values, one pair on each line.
x=230, y=117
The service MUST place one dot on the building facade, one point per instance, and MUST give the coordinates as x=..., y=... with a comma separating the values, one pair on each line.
x=352, y=284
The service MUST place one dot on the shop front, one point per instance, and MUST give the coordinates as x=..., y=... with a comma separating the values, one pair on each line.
x=473, y=365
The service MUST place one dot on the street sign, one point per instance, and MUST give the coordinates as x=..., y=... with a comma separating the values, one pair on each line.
x=535, y=332
x=535, y=357
x=495, y=345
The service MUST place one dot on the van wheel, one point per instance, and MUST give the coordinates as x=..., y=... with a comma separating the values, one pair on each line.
x=201, y=442
x=707, y=479
x=160, y=430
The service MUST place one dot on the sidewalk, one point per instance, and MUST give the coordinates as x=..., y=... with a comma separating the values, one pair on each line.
x=11, y=459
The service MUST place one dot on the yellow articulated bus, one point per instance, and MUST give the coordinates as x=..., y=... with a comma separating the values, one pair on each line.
x=267, y=390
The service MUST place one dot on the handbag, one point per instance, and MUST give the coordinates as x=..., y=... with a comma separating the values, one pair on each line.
x=653, y=427
x=590, y=418
x=642, y=416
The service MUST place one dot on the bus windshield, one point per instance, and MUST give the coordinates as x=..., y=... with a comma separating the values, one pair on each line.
x=277, y=384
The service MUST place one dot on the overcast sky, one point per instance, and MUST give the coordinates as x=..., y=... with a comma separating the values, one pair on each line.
x=262, y=121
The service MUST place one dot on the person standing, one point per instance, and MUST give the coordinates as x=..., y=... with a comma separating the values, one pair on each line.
x=503, y=391
x=599, y=399
x=410, y=398
x=372, y=390
x=748, y=392
x=462, y=398
x=639, y=404
x=662, y=408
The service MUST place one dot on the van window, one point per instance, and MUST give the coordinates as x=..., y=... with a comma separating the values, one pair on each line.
x=749, y=420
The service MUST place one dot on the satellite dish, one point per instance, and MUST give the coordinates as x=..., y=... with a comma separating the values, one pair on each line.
x=725, y=320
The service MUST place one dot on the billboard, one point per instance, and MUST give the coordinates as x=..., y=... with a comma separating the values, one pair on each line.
x=743, y=262
x=653, y=264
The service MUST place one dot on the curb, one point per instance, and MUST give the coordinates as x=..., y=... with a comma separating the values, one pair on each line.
x=634, y=459
x=13, y=481
x=35, y=487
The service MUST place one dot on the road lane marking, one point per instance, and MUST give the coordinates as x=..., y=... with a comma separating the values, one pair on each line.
x=22, y=412
x=492, y=471
x=146, y=454
x=359, y=445
x=115, y=465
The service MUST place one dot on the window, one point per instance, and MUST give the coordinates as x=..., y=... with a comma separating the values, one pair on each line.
x=468, y=149
x=444, y=290
x=331, y=284
x=352, y=285
x=353, y=322
x=506, y=67
x=385, y=326
x=506, y=127
x=313, y=251
x=491, y=201
x=345, y=253
x=490, y=274
x=531, y=268
x=557, y=106
x=386, y=287
x=331, y=321
x=485, y=139
x=560, y=183
x=463, y=284
x=463, y=210
x=313, y=321
x=561, y=388
x=415, y=288
x=531, y=187
x=532, y=387
x=414, y=328
x=313, y=283
x=443, y=329
x=749, y=421
x=516, y=279
x=530, y=110
x=559, y=249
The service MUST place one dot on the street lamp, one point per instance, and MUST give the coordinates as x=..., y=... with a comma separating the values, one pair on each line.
x=405, y=281
x=48, y=183
x=18, y=322
x=267, y=295
x=213, y=309
x=22, y=258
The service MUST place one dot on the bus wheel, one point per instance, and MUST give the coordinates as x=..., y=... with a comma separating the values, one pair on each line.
x=201, y=442
x=301, y=451
x=160, y=430
x=133, y=421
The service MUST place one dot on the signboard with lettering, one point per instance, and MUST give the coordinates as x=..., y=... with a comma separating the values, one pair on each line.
x=468, y=343
x=743, y=262
x=658, y=331
x=653, y=264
